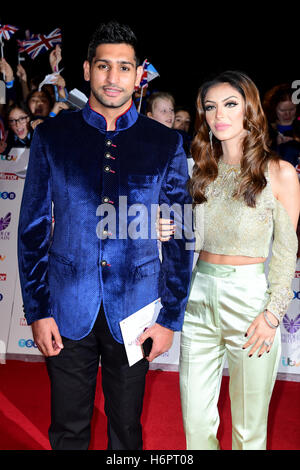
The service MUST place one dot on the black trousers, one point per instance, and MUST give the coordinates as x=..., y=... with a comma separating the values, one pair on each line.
x=73, y=375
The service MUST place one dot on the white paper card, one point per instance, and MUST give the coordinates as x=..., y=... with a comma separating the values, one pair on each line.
x=134, y=325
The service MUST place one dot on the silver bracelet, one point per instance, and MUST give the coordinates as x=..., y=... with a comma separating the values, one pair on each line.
x=271, y=325
x=277, y=316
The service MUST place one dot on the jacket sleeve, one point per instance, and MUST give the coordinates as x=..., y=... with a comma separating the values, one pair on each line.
x=283, y=263
x=34, y=233
x=178, y=252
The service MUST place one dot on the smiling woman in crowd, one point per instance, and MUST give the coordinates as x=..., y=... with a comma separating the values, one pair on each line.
x=19, y=129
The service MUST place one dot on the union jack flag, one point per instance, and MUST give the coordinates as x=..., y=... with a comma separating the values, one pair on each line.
x=149, y=74
x=7, y=30
x=39, y=43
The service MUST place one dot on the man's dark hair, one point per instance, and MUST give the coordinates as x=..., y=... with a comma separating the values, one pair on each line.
x=112, y=33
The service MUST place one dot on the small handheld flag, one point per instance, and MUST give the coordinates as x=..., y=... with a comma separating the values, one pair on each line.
x=149, y=73
x=40, y=43
x=7, y=30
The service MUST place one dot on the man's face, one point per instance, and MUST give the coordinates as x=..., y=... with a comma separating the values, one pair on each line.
x=113, y=76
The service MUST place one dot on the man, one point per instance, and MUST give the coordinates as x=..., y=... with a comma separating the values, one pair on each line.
x=81, y=281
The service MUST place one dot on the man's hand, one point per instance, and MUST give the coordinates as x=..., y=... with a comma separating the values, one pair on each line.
x=162, y=340
x=47, y=336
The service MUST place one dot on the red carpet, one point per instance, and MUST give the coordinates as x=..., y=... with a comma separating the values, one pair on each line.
x=25, y=411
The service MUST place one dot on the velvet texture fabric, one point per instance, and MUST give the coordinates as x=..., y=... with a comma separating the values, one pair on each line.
x=82, y=169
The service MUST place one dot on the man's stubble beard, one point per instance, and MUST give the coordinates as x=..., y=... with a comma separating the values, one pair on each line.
x=112, y=105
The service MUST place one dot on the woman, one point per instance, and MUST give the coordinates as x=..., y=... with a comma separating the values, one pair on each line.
x=182, y=124
x=242, y=195
x=284, y=125
x=20, y=132
x=43, y=106
x=182, y=119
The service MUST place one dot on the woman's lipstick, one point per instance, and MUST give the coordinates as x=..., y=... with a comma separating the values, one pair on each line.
x=222, y=127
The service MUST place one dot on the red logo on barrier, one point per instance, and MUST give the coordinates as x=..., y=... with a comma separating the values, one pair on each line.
x=2, y=277
x=8, y=176
x=297, y=274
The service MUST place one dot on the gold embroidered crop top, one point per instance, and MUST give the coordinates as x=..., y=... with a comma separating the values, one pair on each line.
x=226, y=225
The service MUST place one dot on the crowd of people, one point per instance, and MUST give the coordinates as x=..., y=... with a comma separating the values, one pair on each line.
x=243, y=195
x=28, y=104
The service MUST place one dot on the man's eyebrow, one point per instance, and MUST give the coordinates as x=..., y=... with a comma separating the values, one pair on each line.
x=122, y=62
x=222, y=100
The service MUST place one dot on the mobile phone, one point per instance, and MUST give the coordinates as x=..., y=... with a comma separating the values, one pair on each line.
x=147, y=346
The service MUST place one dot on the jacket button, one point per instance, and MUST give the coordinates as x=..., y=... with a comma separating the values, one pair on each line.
x=108, y=169
x=103, y=263
x=106, y=199
x=109, y=156
x=108, y=143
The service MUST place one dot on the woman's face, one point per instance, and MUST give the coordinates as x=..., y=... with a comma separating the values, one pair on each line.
x=39, y=104
x=163, y=111
x=182, y=120
x=224, y=110
x=18, y=121
x=286, y=112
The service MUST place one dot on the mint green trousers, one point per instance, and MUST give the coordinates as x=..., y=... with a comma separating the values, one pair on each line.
x=223, y=302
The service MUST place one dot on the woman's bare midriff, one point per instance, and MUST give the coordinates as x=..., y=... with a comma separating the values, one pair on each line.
x=227, y=259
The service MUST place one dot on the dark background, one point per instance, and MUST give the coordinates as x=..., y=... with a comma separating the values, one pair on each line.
x=185, y=41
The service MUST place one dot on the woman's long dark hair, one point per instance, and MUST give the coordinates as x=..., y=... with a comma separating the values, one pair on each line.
x=256, y=152
x=17, y=105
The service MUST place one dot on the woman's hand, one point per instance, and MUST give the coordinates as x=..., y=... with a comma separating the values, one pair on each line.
x=282, y=139
x=260, y=334
x=21, y=73
x=165, y=229
x=59, y=81
x=59, y=106
x=6, y=69
x=35, y=123
x=3, y=145
x=55, y=58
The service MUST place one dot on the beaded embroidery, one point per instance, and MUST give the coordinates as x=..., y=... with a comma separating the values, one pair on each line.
x=226, y=225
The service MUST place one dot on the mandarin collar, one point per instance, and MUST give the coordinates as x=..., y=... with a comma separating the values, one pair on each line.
x=97, y=120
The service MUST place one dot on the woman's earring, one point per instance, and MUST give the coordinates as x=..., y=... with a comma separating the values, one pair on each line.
x=210, y=139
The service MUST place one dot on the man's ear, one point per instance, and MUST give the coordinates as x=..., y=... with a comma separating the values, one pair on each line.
x=139, y=73
x=86, y=70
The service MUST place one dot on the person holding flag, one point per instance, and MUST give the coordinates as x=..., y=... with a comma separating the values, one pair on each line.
x=6, y=31
x=149, y=73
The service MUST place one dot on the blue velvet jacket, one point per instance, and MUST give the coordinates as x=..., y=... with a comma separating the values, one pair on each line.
x=80, y=169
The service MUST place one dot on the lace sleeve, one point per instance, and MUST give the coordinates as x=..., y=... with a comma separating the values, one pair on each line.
x=199, y=226
x=283, y=262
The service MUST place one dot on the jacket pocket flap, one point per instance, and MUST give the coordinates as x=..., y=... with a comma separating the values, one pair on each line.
x=142, y=180
x=148, y=268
